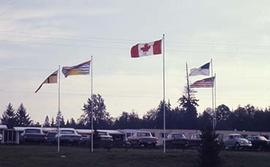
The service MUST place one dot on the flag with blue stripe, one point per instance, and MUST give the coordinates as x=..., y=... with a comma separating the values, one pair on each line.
x=80, y=69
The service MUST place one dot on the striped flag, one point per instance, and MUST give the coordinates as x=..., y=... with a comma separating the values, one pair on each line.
x=81, y=69
x=51, y=79
x=204, y=83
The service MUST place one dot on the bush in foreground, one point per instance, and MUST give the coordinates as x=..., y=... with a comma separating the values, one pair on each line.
x=209, y=149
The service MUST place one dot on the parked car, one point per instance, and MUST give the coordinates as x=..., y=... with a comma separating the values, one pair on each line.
x=237, y=142
x=85, y=140
x=195, y=140
x=259, y=142
x=177, y=140
x=142, y=138
x=118, y=138
x=68, y=135
x=102, y=139
x=50, y=137
x=32, y=135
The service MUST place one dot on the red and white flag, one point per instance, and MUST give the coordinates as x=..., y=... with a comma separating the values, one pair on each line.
x=204, y=83
x=146, y=49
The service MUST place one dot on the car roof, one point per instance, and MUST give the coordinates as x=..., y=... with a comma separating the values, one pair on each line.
x=234, y=134
x=3, y=126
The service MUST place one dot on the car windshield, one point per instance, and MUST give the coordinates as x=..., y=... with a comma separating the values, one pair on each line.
x=262, y=138
x=67, y=132
x=141, y=134
x=129, y=134
x=32, y=131
x=178, y=136
x=235, y=136
x=195, y=136
x=51, y=134
x=102, y=133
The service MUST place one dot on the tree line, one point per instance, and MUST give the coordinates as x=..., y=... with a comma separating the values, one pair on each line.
x=183, y=116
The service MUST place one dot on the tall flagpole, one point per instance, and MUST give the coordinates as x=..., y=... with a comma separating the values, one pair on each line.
x=188, y=88
x=213, y=109
x=215, y=102
x=164, y=109
x=58, y=139
x=92, y=124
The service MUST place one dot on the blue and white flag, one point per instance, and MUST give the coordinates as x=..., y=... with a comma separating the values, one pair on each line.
x=203, y=70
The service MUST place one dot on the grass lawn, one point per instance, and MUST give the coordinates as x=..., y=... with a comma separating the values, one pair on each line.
x=46, y=156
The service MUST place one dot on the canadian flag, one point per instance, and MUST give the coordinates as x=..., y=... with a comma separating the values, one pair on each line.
x=146, y=49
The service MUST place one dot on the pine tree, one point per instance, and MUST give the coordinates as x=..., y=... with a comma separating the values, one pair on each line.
x=22, y=118
x=9, y=117
x=67, y=124
x=60, y=119
x=72, y=123
x=46, y=122
x=101, y=117
x=52, y=122
x=209, y=149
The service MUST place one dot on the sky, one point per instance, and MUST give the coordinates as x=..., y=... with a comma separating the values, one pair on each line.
x=38, y=36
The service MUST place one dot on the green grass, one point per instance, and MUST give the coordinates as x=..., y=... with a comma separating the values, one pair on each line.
x=46, y=156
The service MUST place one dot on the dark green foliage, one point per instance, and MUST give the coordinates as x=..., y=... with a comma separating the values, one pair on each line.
x=46, y=122
x=209, y=149
x=190, y=112
x=127, y=120
x=205, y=120
x=101, y=117
x=60, y=119
x=22, y=118
x=9, y=117
x=72, y=123
x=52, y=122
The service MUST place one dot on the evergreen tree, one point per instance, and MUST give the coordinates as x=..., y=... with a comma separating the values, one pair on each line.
x=210, y=148
x=127, y=120
x=37, y=124
x=101, y=118
x=149, y=119
x=9, y=117
x=60, y=119
x=62, y=122
x=52, y=122
x=22, y=118
x=189, y=104
x=46, y=122
x=160, y=114
x=67, y=124
x=72, y=123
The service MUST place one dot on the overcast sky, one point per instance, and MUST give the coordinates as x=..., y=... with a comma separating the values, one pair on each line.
x=38, y=35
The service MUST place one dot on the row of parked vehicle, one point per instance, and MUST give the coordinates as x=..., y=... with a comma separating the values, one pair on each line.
x=239, y=142
x=30, y=135
x=137, y=138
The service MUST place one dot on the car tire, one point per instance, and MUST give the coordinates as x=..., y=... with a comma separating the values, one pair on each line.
x=237, y=146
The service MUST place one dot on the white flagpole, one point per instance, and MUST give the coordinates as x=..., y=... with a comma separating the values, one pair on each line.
x=188, y=88
x=164, y=114
x=92, y=124
x=213, y=110
x=58, y=139
x=215, y=104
